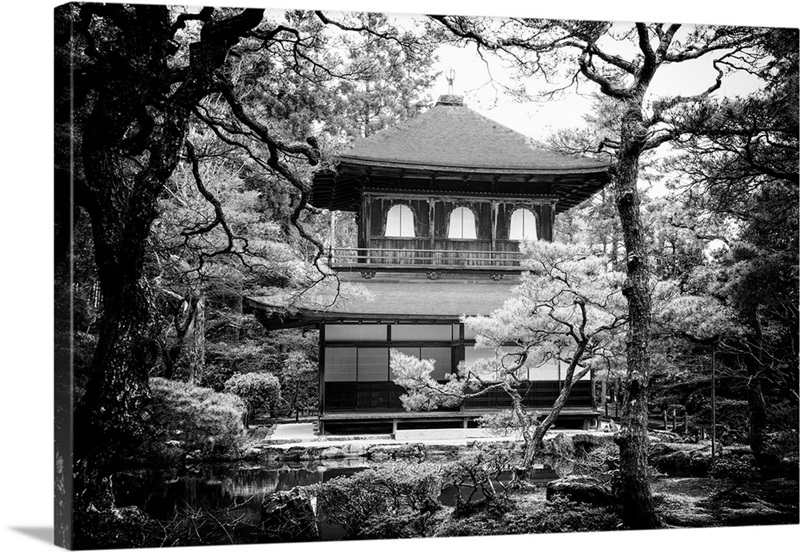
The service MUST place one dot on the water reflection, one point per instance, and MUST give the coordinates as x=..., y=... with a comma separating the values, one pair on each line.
x=163, y=494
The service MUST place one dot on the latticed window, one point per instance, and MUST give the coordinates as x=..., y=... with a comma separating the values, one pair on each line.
x=462, y=224
x=523, y=225
x=400, y=222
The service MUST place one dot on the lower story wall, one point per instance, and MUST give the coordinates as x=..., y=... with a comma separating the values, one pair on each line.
x=385, y=395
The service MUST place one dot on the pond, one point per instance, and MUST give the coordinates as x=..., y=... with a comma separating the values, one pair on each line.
x=239, y=487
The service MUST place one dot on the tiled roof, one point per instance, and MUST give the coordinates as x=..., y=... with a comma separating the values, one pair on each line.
x=453, y=136
x=432, y=299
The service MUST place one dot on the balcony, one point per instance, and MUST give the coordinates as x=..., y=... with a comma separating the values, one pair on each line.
x=448, y=256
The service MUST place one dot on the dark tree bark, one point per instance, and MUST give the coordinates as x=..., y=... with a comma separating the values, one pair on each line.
x=197, y=342
x=764, y=456
x=534, y=446
x=633, y=487
x=132, y=137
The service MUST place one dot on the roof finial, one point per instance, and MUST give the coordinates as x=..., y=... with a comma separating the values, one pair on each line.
x=450, y=76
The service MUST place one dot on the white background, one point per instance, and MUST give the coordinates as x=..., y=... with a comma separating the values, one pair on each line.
x=26, y=332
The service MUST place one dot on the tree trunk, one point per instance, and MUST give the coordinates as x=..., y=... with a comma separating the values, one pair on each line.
x=108, y=420
x=633, y=487
x=534, y=445
x=764, y=458
x=130, y=143
x=757, y=424
x=196, y=349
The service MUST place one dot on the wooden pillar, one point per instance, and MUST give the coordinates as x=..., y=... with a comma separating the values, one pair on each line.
x=494, y=226
x=363, y=224
x=432, y=234
x=321, y=405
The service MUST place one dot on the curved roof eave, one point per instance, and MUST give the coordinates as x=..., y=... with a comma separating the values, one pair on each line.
x=600, y=167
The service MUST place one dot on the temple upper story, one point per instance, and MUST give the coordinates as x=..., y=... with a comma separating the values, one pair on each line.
x=450, y=190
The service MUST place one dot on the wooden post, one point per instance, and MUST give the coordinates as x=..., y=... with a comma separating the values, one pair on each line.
x=431, y=222
x=674, y=419
x=666, y=423
x=494, y=228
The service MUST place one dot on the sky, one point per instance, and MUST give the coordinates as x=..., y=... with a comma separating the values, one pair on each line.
x=481, y=80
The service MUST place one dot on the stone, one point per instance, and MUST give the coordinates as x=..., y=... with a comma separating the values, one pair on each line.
x=680, y=459
x=581, y=488
x=289, y=516
x=354, y=449
x=332, y=452
x=387, y=452
x=591, y=440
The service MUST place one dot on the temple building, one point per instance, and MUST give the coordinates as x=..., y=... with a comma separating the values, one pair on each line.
x=442, y=202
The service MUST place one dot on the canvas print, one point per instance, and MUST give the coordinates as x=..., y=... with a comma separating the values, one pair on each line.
x=326, y=276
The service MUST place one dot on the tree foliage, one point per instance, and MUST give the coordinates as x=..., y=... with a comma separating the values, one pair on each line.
x=169, y=123
x=568, y=308
x=395, y=500
x=197, y=417
x=259, y=391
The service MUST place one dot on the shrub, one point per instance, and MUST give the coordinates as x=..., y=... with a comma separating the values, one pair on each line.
x=215, y=376
x=126, y=527
x=395, y=500
x=735, y=468
x=258, y=390
x=477, y=478
x=198, y=417
x=561, y=515
x=509, y=517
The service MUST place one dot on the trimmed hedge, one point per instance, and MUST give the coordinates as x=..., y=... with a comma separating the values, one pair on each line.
x=196, y=417
x=258, y=390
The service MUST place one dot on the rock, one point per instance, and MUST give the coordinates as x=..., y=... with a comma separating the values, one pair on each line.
x=656, y=436
x=681, y=459
x=560, y=444
x=354, y=449
x=332, y=452
x=736, y=450
x=592, y=440
x=296, y=453
x=387, y=452
x=288, y=516
x=581, y=488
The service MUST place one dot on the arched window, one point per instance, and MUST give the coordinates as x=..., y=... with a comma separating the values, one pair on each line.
x=400, y=222
x=523, y=225
x=462, y=224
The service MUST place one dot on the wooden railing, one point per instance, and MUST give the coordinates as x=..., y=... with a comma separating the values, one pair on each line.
x=424, y=259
